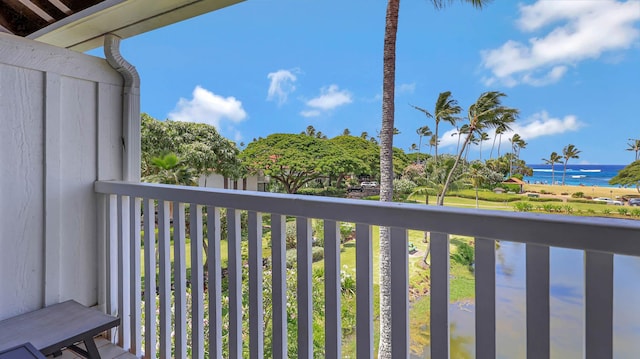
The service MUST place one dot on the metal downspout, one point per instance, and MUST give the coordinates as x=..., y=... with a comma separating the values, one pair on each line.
x=131, y=151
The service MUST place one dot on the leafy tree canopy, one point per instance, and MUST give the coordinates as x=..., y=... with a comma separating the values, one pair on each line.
x=628, y=176
x=198, y=146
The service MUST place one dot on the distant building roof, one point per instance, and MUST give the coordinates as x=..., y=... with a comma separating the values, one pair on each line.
x=80, y=24
x=513, y=180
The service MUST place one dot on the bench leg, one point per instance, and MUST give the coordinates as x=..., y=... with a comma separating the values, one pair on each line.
x=92, y=350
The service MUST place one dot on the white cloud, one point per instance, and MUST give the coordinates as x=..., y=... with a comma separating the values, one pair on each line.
x=538, y=125
x=282, y=84
x=330, y=97
x=207, y=107
x=568, y=32
x=310, y=113
x=406, y=88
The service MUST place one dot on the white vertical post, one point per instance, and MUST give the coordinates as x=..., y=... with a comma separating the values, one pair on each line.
x=439, y=295
x=164, y=285
x=235, y=284
x=332, y=290
x=215, y=282
x=149, y=279
x=124, y=274
x=399, y=292
x=112, y=261
x=538, y=306
x=180, y=279
x=135, y=281
x=256, y=312
x=305, y=302
x=598, y=298
x=197, y=283
x=485, y=298
x=364, y=292
x=279, y=285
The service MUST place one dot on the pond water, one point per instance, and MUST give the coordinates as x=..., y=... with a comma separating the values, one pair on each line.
x=566, y=305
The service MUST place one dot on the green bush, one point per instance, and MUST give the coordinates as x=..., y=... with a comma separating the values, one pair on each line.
x=523, y=206
x=326, y=192
x=580, y=200
x=635, y=212
x=464, y=254
x=290, y=234
x=317, y=253
x=544, y=199
x=623, y=211
x=578, y=195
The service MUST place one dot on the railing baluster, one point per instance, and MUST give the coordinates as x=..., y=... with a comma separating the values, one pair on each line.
x=538, y=314
x=134, y=290
x=124, y=274
x=215, y=282
x=197, y=282
x=180, y=280
x=439, y=243
x=235, y=284
x=399, y=292
x=485, y=270
x=364, y=292
x=332, y=290
x=112, y=262
x=164, y=238
x=149, y=279
x=256, y=310
x=598, y=298
x=305, y=302
x=279, y=285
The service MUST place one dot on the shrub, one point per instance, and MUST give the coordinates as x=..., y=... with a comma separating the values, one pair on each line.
x=580, y=200
x=486, y=196
x=403, y=187
x=291, y=258
x=606, y=211
x=544, y=199
x=317, y=254
x=623, y=211
x=290, y=234
x=463, y=255
x=567, y=209
x=578, y=195
x=635, y=212
x=326, y=192
x=523, y=206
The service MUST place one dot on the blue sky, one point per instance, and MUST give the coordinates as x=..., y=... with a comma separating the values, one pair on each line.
x=572, y=68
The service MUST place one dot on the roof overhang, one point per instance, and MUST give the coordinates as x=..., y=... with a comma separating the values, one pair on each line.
x=84, y=30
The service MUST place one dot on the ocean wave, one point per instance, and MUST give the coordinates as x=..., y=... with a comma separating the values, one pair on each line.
x=579, y=176
x=541, y=170
x=595, y=171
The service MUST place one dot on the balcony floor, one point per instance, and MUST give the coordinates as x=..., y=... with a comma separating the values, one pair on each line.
x=107, y=350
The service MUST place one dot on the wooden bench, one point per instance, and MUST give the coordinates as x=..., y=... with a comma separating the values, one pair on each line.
x=56, y=327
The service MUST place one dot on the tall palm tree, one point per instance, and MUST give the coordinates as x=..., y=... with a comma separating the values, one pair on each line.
x=486, y=112
x=517, y=143
x=483, y=137
x=554, y=158
x=446, y=110
x=634, y=146
x=568, y=152
x=386, y=160
x=422, y=131
x=497, y=133
x=433, y=141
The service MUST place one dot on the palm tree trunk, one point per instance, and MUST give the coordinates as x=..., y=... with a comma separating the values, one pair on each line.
x=492, y=146
x=564, y=171
x=552, y=175
x=477, y=206
x=386, y=170
x=499, y=145
x=450, y=175
x=436, y=145
x=419, y=146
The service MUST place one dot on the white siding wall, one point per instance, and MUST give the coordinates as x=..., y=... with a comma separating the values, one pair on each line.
x=60, y=118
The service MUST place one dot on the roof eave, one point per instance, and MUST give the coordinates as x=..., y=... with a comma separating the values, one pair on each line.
x=84, y=30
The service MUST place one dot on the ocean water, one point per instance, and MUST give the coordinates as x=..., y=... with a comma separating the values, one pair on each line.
x=586, y=175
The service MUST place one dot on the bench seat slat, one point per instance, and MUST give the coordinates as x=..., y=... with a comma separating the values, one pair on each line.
x=54, y=327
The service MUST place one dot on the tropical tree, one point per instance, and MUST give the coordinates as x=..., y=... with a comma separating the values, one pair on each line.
x=171, y=170
x=487, y=112
x=634, y=146
x=568, y=152
x=479, y=175
x=517, y=142
x=483, y=137
x=386, y=160
x=554, y=158
x=628, y=176
x=446, y=109
x=422, y=131
x=346, y=132
x=497, y=134
x=433, y=142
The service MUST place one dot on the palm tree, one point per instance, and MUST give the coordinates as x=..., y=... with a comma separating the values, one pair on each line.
x=483, y=137
x=311, y=131
x=386, y=160
x=568, y=152
x=170, y=170
x=517, y=143
x=445, y=110
x=414, y=148
x=364, y=135
x=634, y=146
x=422, y=131
x=497, y=133
x=553, y=159
x=486, y=112
x=433, y=142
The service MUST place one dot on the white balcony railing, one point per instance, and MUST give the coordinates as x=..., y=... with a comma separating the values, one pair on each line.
x=120, y=213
